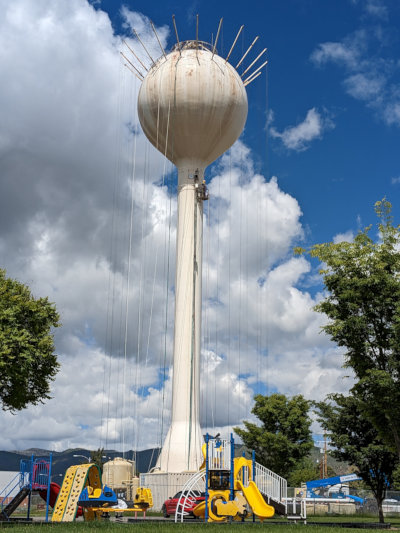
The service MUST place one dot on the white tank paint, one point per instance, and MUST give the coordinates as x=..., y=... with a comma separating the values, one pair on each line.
x=207, y=102
x=192, y=106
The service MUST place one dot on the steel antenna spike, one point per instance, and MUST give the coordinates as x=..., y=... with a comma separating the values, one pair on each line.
x=140, y=41
x=216, y=39
x=132, y=65
x=248, y=50
x=234, y=42
x=255, y=61
x=133, y=72
x=252, y=79
x=159, y=42
x=255, y=72
x=177, y=36
x=133, y=53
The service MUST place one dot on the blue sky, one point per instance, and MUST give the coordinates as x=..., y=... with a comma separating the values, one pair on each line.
x=338, y=175
x=320, y=146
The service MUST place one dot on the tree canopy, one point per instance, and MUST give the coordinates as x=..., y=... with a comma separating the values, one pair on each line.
x=363, y=306
x=98, y=457
x=27, y=360
x=356, y=441
x=283, y=440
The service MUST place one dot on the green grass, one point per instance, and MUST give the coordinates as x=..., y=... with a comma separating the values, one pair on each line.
x=394, y=521
x=150, y=526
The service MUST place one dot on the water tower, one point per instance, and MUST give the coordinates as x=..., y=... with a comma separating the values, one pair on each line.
x=192, y=106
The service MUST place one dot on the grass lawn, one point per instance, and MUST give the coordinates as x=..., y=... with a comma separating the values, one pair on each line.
x=167, y=526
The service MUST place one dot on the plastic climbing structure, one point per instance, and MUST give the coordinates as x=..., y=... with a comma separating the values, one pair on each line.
x=232, y=486
x=76, y=478
x=34, y=476
x=82, y=493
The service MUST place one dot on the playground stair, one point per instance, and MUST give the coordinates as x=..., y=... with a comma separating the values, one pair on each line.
x=14, y=503
x=67, y=501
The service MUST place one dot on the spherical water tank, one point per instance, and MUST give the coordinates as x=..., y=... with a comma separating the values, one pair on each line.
x=192, y=105
x=118, y=472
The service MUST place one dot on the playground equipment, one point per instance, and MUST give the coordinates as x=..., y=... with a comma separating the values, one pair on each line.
x=82, y=488
x=230, y=484
x=76, y=478
x=34, y=476
x=102, y=502
x=318, y=484
x=91, y=497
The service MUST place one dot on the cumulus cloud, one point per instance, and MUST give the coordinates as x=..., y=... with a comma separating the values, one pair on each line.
x=377, y=8
x=299, y=137
x=68, y=131
x=342, y=53
x=369, y=73
x=374, y=8
x=347, y=236
x=362, y=87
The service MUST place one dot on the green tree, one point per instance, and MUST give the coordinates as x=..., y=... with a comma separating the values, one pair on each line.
x=27, y=359
x=356, y=441
x=98, y=458
x=305, y=471
x=363, y=306
x=283, y=440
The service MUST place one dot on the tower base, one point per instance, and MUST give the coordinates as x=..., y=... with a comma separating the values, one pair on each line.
x=181, y=451
x=164, y=485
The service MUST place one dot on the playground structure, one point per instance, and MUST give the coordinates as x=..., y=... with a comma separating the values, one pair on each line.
x=231, y=485
x=81, y=493
x=76, y=478
x=34, y=476
x=82, y=488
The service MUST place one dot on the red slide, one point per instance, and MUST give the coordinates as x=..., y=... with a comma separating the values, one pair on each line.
x=54, y=490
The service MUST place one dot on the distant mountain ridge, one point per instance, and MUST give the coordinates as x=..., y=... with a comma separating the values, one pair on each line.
x=145, y=459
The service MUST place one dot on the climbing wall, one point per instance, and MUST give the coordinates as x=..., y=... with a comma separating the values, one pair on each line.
x=75, y=480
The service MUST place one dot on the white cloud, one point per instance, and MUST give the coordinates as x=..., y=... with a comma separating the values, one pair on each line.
x=66, y=136
x=364, y=87
x=139, y=23
x=299, y=137
x=377, y=8
x=369, y=73
x=396, y=180
x=373, y=8
x=391, y=112
x=335, y=52
x=347, y=236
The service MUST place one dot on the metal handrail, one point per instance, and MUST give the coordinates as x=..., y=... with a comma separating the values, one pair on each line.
x=270, y=484
x=16, y=482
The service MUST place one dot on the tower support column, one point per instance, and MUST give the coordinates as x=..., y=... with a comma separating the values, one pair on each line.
x=182, y=447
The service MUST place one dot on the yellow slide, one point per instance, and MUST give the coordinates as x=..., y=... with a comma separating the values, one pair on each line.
x=256, y=501
x=200, y=510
